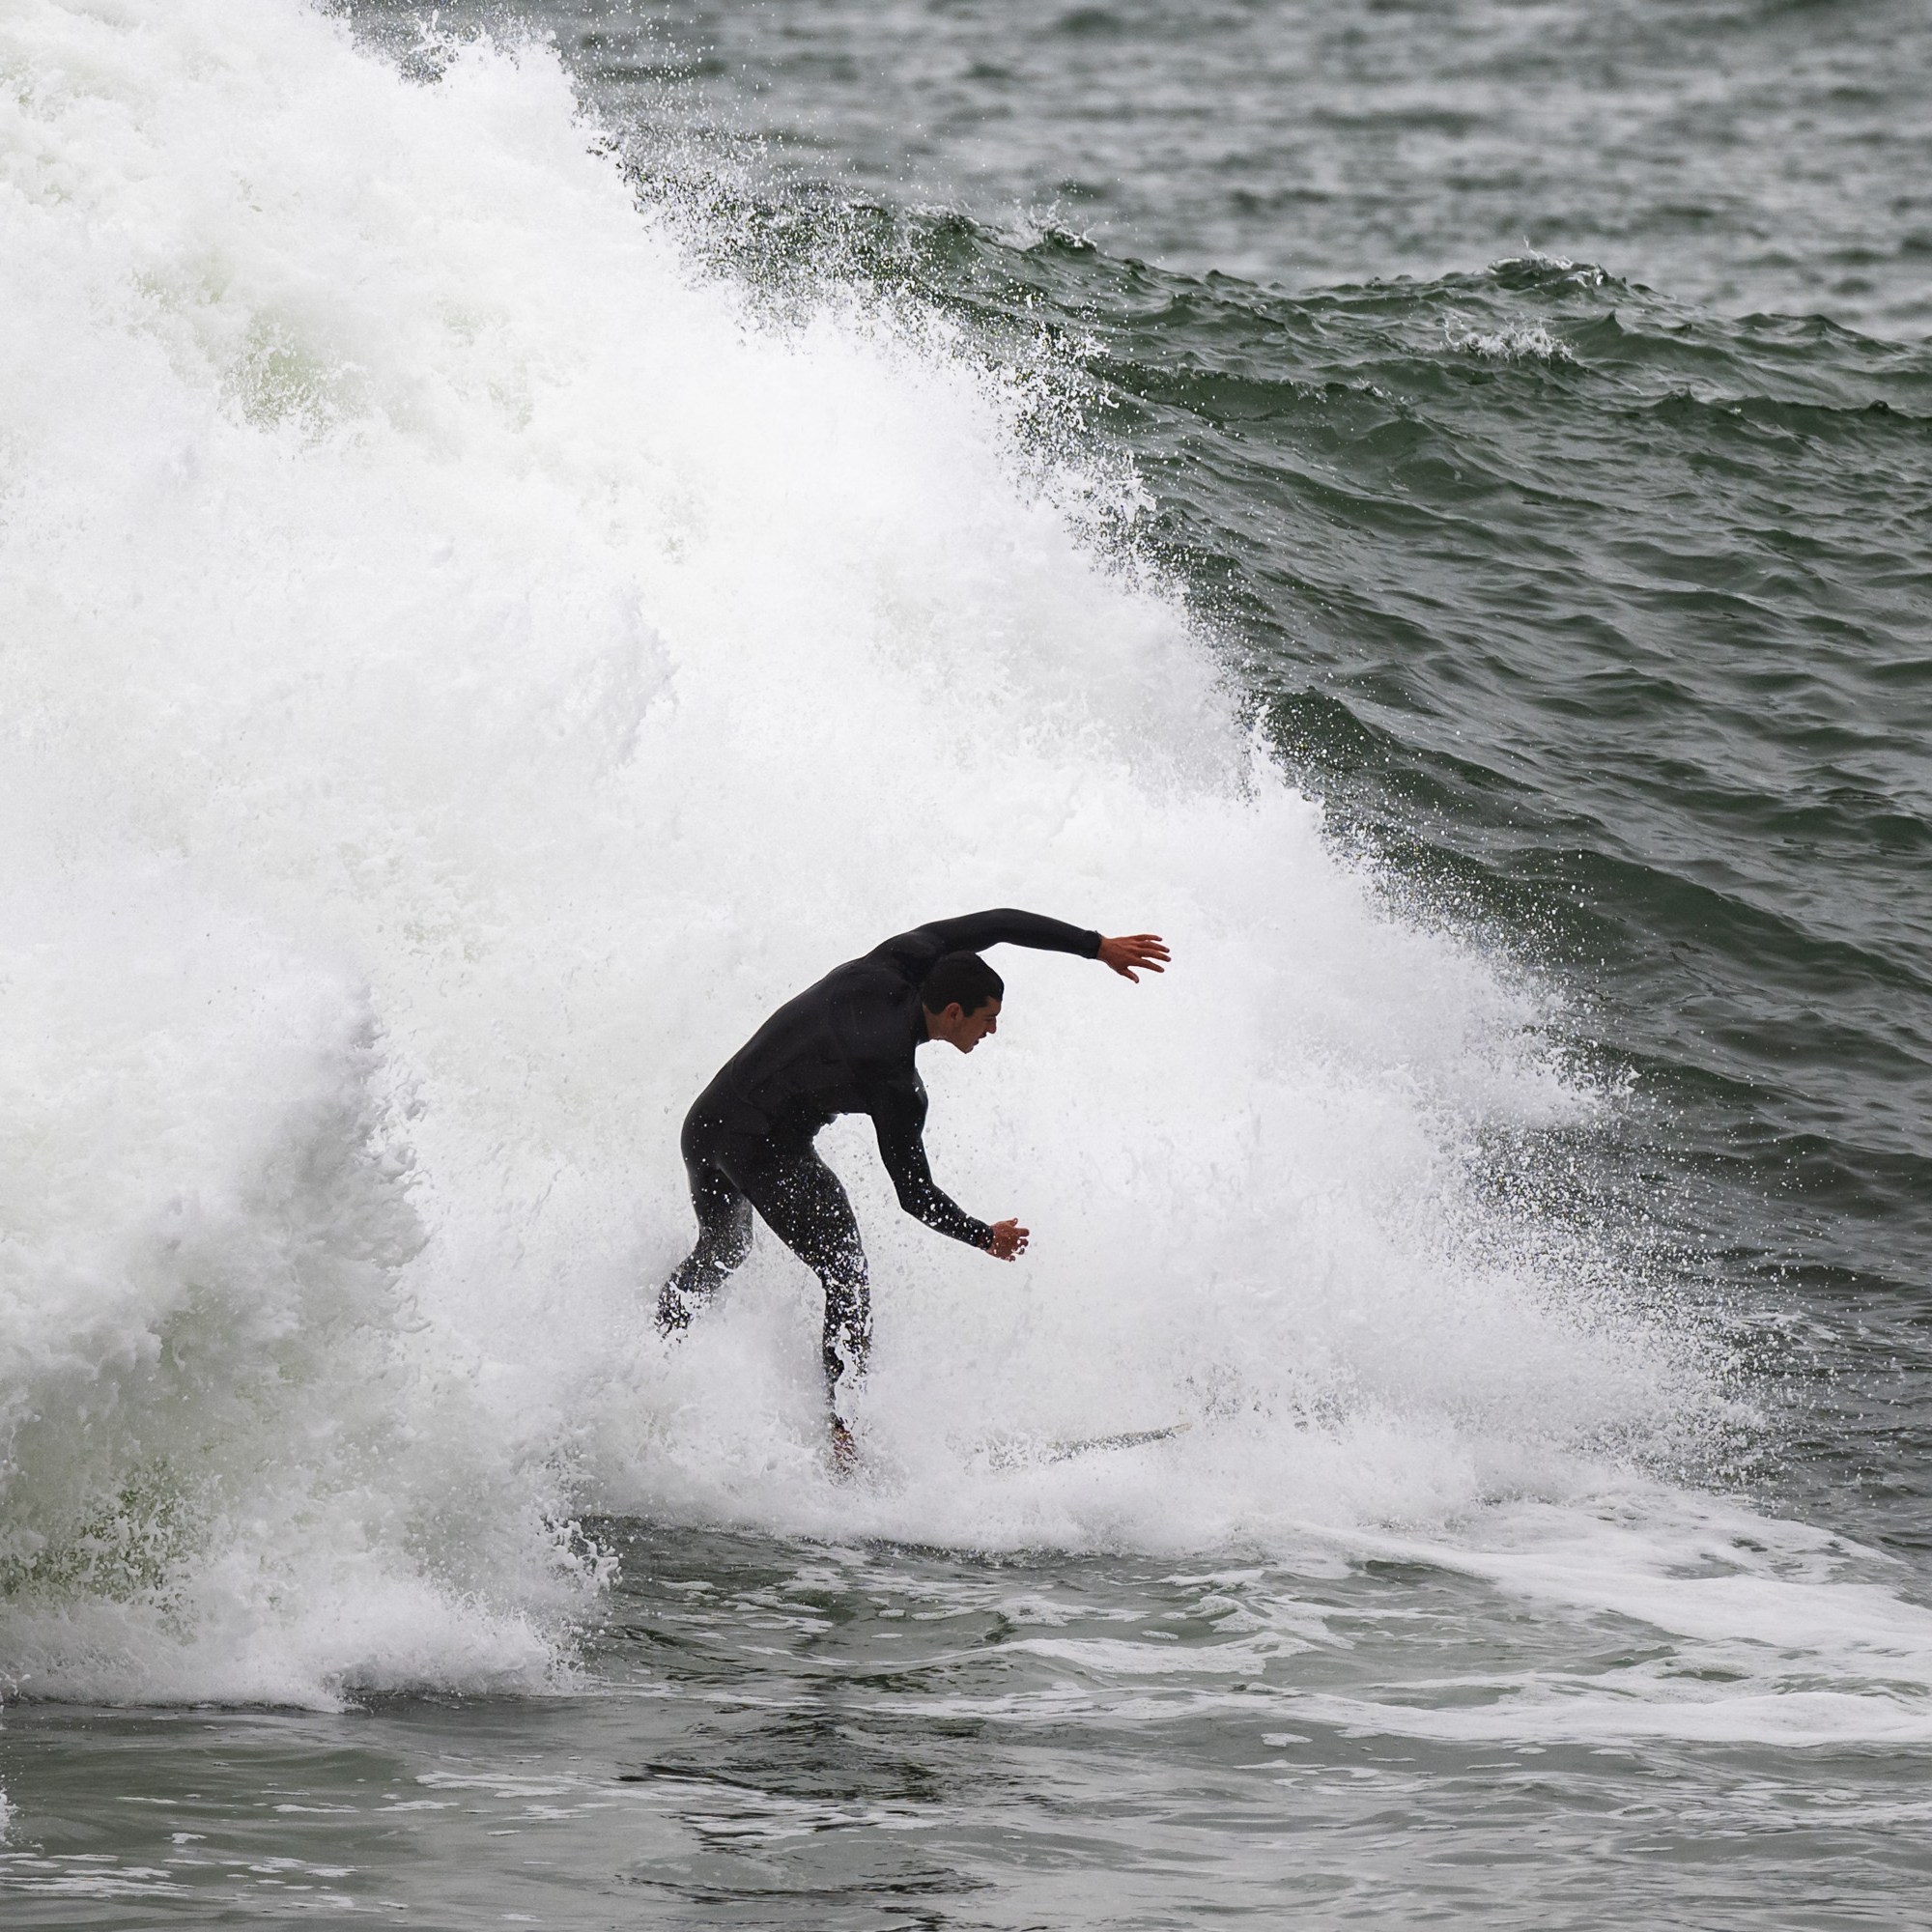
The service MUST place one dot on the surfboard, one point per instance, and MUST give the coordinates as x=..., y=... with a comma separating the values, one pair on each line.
x=1012, y=1454
x=1126, y=1438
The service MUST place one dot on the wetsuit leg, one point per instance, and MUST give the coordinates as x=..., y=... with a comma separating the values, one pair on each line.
x=724, y=1230
x=803, y=1203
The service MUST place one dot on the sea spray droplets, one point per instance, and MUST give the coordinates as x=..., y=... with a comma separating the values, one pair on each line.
x=1514, y=342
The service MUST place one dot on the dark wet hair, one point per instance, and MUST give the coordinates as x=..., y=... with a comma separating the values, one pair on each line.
x=963, y=976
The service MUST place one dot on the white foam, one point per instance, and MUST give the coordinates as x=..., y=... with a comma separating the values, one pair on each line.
x=465, y=670
x=219, y=1480
x=1510, y=342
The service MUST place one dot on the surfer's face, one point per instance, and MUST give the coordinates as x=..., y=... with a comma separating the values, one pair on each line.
x=956, y=1027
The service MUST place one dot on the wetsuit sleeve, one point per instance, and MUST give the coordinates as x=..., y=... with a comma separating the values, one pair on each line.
x=899, y=1117
x=974, y=931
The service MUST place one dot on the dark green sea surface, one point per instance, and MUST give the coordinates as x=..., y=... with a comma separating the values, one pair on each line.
x=1535, y=406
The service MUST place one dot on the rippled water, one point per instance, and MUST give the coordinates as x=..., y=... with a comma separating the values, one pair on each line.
x=839, y=1737
x=1739, y=154
x=474, y=635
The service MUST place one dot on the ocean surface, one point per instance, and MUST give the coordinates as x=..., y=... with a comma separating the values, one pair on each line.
x=527, y=532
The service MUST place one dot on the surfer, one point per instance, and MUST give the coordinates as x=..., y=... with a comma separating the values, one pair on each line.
x=847, y=1046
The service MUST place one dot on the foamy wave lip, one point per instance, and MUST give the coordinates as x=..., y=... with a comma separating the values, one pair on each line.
x=1029, y=224
x=1513, y=341
x=306, y=1648
x=1579, y=274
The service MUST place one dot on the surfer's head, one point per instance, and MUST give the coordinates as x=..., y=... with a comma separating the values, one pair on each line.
x=961, y=997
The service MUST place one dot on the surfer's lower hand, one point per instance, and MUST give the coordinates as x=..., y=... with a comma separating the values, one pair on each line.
x=844, y=1451
x=1006, y=1239
x=1145, y=950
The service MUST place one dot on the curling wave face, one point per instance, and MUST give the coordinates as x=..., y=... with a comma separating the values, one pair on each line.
x=466, y=663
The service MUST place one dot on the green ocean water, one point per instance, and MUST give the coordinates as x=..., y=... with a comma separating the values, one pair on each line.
x=1532, y=406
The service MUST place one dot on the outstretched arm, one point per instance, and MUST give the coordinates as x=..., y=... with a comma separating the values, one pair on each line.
x=1004, y=925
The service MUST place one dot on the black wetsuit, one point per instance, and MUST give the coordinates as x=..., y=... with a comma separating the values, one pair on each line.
x=844, y=1047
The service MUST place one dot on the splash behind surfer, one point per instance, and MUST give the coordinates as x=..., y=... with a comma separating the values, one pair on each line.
x=847, y=1046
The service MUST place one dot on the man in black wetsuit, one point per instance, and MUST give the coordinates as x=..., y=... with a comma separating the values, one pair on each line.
x=847, y=1046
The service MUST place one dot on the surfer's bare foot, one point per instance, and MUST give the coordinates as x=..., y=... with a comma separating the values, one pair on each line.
x=844, y=1451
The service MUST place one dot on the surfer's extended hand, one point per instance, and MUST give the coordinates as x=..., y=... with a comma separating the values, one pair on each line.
x=1007, y=1239
x=1145, y=950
